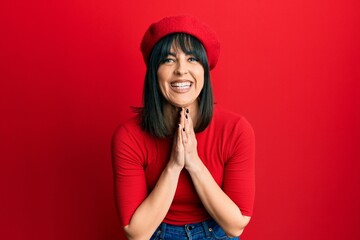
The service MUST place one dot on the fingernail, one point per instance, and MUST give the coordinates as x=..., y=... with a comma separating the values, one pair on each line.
x=187, y=110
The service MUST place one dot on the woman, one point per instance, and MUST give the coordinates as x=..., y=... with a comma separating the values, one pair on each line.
x=183, y=168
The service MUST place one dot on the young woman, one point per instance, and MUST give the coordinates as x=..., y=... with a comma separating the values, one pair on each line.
x=183, y=168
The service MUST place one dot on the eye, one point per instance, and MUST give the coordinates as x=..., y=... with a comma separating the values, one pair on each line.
x=193, y=59
x=168, y=60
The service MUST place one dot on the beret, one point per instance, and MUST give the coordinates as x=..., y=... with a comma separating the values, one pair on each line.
x=182, y=24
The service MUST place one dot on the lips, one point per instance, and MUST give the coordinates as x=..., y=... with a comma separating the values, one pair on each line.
x=181, y=85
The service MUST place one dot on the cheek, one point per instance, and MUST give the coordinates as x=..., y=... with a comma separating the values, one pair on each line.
x=162, y=85
x=162, y=75
x=200, y=79
x=160, y=79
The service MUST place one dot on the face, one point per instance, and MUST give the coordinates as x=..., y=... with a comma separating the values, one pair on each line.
x=181, y=78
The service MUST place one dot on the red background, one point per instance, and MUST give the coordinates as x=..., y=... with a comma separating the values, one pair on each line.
x=70, y=70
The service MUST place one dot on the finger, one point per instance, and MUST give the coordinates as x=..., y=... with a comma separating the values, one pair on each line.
x=188, y=122
x=184, y=136
x=182, y=118
x=179, y=134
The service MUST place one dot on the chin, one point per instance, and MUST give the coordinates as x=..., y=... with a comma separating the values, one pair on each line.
x=181, y=105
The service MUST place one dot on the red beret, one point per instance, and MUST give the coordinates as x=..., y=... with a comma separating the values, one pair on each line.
x=182, y=24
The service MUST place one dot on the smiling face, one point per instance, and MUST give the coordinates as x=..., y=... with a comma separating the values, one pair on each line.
x=180, y=77
x=177, y=75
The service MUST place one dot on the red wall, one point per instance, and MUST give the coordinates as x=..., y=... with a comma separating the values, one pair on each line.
x=70, y=70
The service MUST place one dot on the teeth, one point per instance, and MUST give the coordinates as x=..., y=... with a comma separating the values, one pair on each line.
x=181, y=84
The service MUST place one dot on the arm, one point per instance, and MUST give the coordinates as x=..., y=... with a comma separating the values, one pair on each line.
x=131, y=187
x=216, y=200
x=225, y=212
x=155, y=206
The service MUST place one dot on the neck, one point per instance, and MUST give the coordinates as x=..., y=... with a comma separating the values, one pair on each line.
x=172, y=114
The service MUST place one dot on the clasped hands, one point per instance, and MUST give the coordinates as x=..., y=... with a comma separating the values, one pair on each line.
x=184, y=151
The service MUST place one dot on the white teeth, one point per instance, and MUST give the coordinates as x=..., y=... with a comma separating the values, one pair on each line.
x=181, y=84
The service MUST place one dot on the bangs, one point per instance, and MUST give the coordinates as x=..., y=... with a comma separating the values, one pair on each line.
x=186, y=43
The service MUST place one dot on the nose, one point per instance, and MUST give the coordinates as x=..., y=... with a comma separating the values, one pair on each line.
x=181, y=68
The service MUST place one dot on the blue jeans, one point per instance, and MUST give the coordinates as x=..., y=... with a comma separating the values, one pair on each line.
x=204, y=230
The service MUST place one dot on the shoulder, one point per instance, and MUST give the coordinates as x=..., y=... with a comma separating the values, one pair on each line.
x=230, y=121
x=236, y=134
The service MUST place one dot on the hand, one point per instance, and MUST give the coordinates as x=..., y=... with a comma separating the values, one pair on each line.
x=189, y=141
x=177, y=153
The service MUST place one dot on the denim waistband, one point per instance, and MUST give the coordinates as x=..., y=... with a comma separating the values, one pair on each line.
x=208, y=229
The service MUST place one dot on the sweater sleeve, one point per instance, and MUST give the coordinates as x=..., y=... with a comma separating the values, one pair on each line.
x=239, y=176
x=129, y=176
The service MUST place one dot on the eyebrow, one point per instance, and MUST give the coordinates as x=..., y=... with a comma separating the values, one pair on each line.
x=172, y=54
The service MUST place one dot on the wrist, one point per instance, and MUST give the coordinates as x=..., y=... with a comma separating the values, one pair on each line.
x=174, y=167
x=196, y=166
